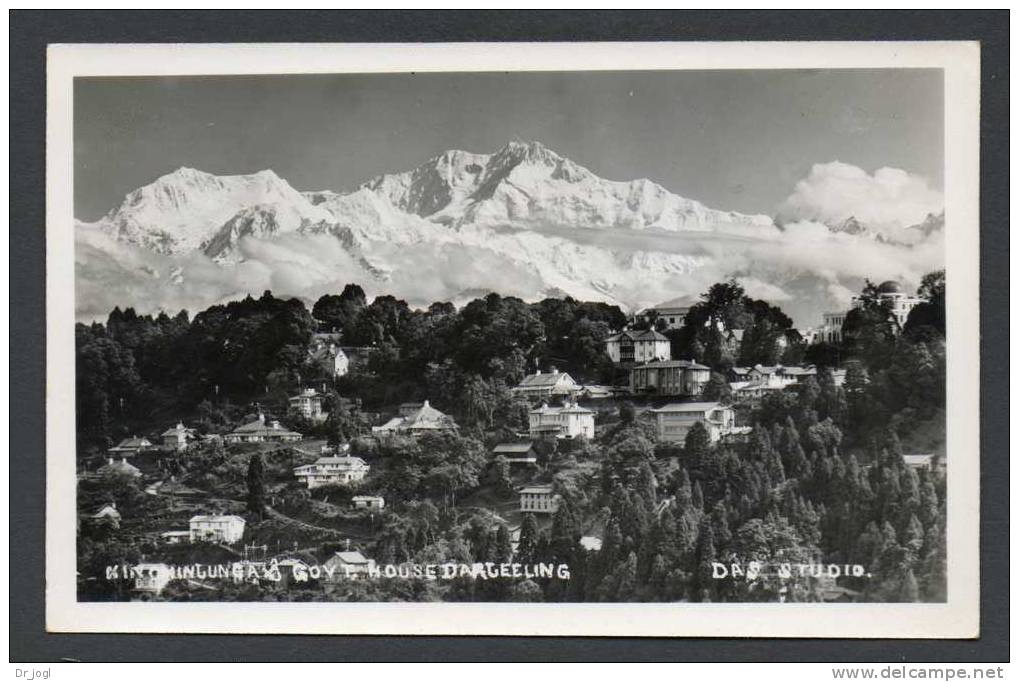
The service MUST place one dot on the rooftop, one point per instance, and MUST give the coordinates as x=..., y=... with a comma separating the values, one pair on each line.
x=687, y=407
x=539, y=379
x=672, y=364
x=513, y=447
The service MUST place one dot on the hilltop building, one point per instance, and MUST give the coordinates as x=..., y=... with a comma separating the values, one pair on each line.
x=538, y=499
x=674, y=377
x=631, y=346
x=890, y=293
x=372, y=502
x=759, y=380
x=415, y=420
x=671, y=314
x=547, y=385
x=119, y=468
x=260, y=432
x=522, y=454
x=309, y=404
x=569, y=421
x=332, y=471
x=221, y=528
x=177, y=437
x=675, y=420
x=347, y=565
x=130, y=447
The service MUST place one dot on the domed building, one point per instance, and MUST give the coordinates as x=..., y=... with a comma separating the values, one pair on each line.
x=890, y=292
x=893, y=293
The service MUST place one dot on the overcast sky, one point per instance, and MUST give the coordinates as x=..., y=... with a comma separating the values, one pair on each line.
x=736, y=140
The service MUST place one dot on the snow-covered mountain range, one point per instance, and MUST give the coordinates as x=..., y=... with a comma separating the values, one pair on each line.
x=522, y=221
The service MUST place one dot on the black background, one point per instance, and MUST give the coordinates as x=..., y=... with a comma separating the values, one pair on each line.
x=30, y=31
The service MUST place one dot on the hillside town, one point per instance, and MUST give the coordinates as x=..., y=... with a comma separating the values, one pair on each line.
x=308, y=449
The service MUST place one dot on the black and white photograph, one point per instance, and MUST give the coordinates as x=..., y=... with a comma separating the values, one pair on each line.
x=669, y=337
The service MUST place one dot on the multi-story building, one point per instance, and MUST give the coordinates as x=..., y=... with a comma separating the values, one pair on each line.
x=674, y=377
x=569, y=421
x=538, y=499
x=889, y=293
x=309, y=404
x=225, y=528
x=177, y=437
x=332, y=471
x=675, y=420
x=628, y=347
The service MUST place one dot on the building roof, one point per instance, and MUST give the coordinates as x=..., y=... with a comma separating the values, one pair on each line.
x=425, y=417
x=367, y=497
x=259, y=428
x=544, y=489
x=542, y=379
x=683, y=303
x=120, y=468
x=353, y=557
x=513, y=448
x=889, y=287
x=132, y=444
x=672, y=364
x=106, y=510
x=176, y=430
x=306, y=393
x=590, y=543
x=688, y=407
x=174, y=533
x=215, y=518
x=570, y=408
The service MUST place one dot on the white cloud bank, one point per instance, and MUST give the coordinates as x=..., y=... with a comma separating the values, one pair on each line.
x=888, y=201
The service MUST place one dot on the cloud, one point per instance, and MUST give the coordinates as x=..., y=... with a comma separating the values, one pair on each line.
x=889, y=200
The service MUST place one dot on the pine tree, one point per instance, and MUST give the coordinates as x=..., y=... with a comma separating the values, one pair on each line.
x=527, y=547
x=696, y=446
x=256, y=485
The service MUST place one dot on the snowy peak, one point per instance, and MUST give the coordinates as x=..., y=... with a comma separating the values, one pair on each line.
x=187, y=209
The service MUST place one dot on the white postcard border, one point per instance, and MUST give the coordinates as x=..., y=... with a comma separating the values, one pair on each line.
x=958, y=618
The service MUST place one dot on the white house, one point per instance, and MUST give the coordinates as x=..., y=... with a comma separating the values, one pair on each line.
x=569, y=421
x=332, y=471
x=260, y=432
x=151, y=578
x=177, y=437
x=226, y=529
x=415, y=420
x=675, y=420
x=635, y=346
x=326, y=353
x=346, y=565
x=546, y=385
x=539, y=499
x=372, y=502
x=309, y=404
